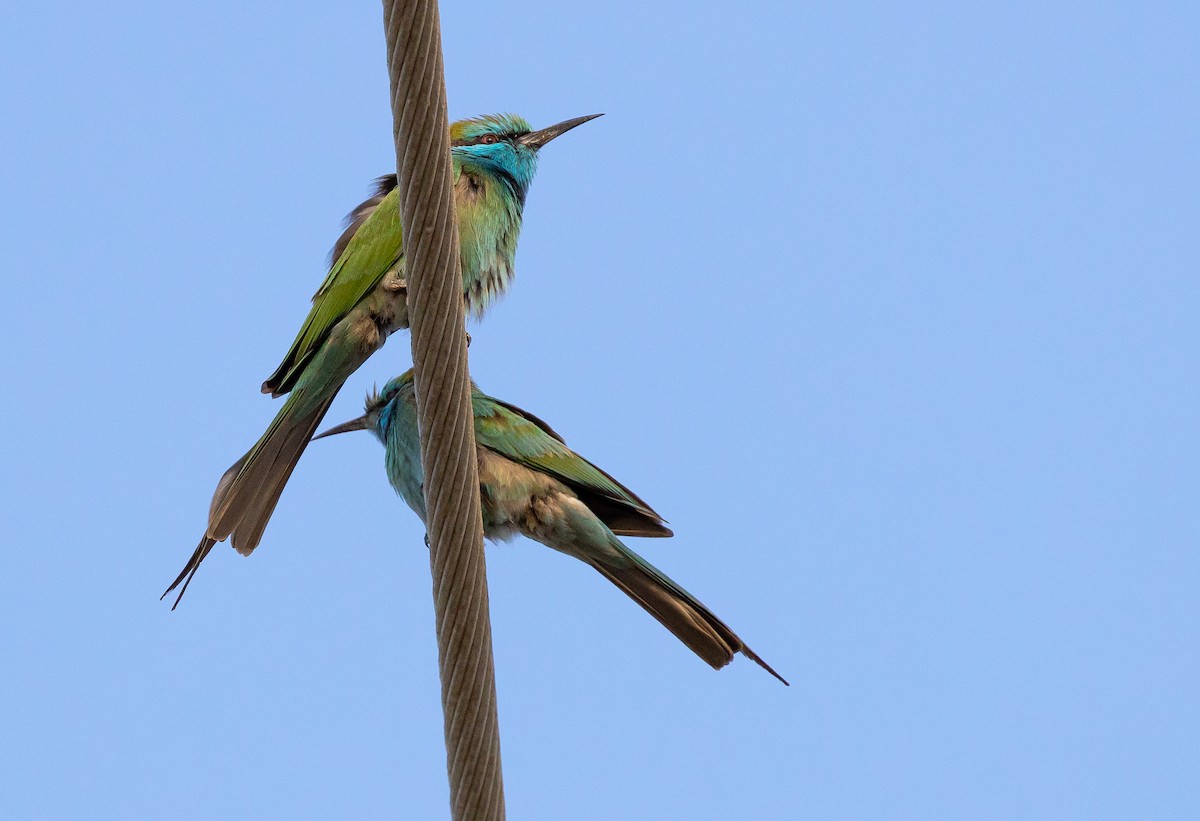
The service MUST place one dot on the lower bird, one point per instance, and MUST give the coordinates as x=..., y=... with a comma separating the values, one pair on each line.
x=532, y=484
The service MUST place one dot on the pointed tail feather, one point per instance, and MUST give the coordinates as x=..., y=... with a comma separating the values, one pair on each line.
x=189, y=570
x=677, y=610
x=247, y=493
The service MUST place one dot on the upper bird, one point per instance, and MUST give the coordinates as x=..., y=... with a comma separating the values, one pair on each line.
x=531, y=483
x=363, y=300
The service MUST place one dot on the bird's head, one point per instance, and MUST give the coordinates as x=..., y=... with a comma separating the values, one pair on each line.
x=506, y=145
x=380, y=408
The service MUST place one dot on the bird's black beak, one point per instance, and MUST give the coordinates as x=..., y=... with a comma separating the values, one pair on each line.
x=361, y=423
x=536, y=139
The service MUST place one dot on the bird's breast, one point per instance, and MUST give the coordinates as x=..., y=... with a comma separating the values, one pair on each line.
x=489, y=222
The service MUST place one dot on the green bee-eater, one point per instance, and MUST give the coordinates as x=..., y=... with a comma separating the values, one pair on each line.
x=362, y=301
x=531, y=483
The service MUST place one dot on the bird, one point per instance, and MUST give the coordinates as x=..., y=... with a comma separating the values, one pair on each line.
x=363, y=300
x=532, y=484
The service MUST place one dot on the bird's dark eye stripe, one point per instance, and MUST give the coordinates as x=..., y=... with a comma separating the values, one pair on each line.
x=508, y=138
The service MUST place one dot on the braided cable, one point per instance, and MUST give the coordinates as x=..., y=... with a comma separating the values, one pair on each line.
x=439, y=345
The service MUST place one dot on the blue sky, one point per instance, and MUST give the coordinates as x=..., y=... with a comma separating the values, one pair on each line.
x=891, y=311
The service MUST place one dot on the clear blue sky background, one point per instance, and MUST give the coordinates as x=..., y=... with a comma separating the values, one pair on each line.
x=890, y=309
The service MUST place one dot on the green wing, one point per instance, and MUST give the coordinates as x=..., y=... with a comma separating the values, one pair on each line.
x=374, y=248
x=527, y=440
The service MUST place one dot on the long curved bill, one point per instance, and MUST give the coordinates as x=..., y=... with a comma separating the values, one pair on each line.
x=354, y=424
x=536, y=139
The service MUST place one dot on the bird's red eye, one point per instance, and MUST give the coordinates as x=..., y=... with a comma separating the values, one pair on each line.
x=489, y=139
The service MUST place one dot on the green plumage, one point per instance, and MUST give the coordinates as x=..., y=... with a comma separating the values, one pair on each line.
x=363, y=300
x=522, y=437
x=531, y=483
x=374, y=249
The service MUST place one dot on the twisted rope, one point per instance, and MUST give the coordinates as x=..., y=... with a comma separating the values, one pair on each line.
x=436, y=311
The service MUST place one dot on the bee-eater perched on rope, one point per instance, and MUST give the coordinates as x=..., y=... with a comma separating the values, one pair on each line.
x=363, y=300
x=531, y=483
